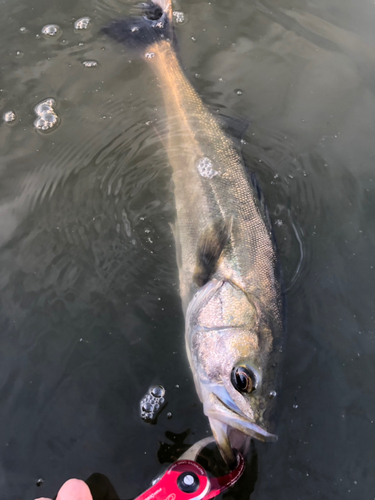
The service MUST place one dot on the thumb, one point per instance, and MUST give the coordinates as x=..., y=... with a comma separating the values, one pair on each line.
x=74, y=489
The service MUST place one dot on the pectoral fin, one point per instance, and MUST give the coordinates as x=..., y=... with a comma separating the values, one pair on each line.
x=262, y=203
x=210, y=248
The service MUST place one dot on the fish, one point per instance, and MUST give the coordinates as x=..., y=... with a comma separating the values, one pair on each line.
x=229, y=278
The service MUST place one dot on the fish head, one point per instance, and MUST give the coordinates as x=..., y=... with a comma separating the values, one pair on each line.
x=233, y=356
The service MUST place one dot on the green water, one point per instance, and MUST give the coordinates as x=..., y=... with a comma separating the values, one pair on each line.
x=90, y=314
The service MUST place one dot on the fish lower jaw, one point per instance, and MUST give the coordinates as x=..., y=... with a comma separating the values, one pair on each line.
x=232, y=432
x=247, y=430
x=219, y=411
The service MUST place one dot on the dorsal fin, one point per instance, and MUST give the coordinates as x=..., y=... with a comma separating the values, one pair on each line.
x=235, y=128
x=210, y=248
x=262, y=202
x=175, y=232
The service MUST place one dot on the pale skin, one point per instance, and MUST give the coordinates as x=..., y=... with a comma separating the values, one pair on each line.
x=73, y=489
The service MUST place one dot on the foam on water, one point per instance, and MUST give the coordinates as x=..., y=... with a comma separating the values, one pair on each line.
x=179, y=16
x=90, y=64
x=152, y=403
x=9, y=116
x=205, y=168
x=82, y=23
x=51, y=30
x=47, y=117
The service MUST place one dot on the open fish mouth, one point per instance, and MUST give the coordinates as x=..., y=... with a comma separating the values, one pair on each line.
x=233, y=431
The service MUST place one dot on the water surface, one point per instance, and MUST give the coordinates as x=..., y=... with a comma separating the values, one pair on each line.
x=90, y=313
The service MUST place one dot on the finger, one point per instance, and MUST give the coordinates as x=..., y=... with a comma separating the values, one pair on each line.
x=74, y=489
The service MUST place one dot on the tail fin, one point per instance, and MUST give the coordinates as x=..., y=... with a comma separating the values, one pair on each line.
x=152, y=24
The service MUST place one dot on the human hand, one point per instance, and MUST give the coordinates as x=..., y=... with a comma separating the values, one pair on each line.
x=73, y=489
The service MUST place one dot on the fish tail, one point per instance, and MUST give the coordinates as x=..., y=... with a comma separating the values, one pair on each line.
x=150, y=24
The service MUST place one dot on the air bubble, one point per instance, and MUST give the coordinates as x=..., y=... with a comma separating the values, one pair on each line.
x=134, y=29
x=179, y=16
x=9, y=116
x=51, y=30
x=158, y=391
x=19, y=53
x=152, y=403
x=272, y=394
x=23, y=29
x=205, y=168
x=90, y=64
x=150, y=55
x=47, y=121
x=238, y=91
x=82, y=23
x=169, y=415
x=45, y=106
x=47, y=118
x=147, y=407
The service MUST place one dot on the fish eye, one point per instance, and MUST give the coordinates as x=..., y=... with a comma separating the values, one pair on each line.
x=243, y=379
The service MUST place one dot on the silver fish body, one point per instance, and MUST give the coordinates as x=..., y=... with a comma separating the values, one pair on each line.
x=233, y=308
x=227, y=261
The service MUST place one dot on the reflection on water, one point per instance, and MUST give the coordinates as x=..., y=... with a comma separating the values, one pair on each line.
x=90, y=313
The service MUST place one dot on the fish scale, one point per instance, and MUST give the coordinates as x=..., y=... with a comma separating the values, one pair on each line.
x=227, y=194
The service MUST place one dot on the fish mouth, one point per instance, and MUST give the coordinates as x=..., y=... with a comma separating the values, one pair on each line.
x=233, y=430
